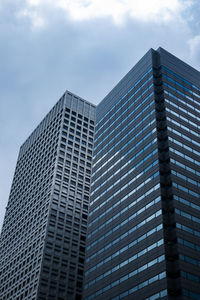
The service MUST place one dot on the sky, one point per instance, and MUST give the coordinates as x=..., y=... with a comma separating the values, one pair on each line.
x=84, y=46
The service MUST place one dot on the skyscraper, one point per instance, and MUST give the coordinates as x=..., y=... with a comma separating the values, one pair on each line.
x=144, y=221
x=44, y=231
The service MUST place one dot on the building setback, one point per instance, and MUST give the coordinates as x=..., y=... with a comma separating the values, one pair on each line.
x=44, y=231
x=144, y=221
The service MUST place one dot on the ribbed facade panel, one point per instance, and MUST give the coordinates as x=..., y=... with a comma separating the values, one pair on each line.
x=125, y=235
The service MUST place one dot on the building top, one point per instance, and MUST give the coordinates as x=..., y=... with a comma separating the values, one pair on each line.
x=145, y=63
x=69, y=100
x=179, y=67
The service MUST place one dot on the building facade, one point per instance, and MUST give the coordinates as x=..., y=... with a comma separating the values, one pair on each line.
x=44, y=231
x=144, y=221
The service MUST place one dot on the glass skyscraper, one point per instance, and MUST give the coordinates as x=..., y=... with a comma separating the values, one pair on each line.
x=42, y=249
x=144, y=221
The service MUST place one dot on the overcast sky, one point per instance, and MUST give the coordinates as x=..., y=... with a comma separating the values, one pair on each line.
x=85, y=46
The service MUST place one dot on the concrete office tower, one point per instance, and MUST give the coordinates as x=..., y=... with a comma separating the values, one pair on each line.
x=44, y=231
x=144, y=221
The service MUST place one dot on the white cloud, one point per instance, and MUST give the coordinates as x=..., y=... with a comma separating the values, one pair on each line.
x=118, y=10
x=35, y=17
x=194, y=45
x=194, y=51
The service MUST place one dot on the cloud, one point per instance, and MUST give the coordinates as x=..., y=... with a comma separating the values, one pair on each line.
x=35, y=17
x=194, y=45
x=119, y=11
